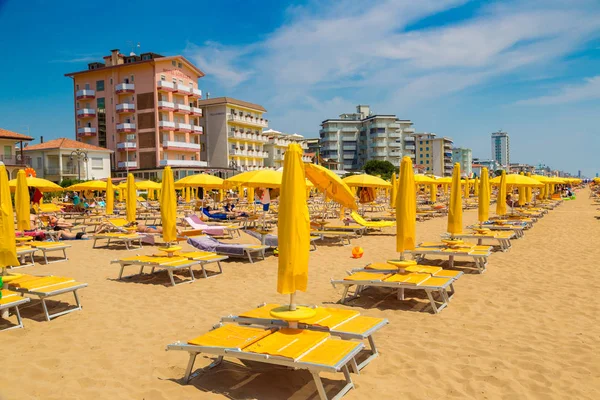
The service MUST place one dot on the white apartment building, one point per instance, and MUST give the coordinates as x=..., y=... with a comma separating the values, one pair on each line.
x=278, y=144
x=433, y=154
x=501, y=149
x=464, y=157
x=353, y=139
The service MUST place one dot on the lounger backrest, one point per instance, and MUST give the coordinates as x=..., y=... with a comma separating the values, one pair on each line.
x=119, y=222
x=358, y=218
x=191, y=222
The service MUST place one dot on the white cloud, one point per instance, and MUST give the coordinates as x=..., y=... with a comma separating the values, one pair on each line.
x=588, y=90
x=220, y=62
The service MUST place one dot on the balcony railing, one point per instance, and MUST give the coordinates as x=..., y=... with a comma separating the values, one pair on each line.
x=85, y=94
x=86, y=131
x=126, y=146
x=125, y=88
x=166, y=105
x=183, y=163
x=395, y=144
x=183, y=127
x=409, y=147
x=182, y=108
x=183, y=89
x=127, y=164
x=248, y=137
x=126, y=127
x=86, y=112
x=166, y=125
x=409, y=139
x=197, y=129
x=125, y=108
x=196, y=92
x=15, y=160
x=196, y=111
x=408, y=130
x=165, y=86
x=250, y=153
x=248, y=120
x=58, y=171
x=168, y=144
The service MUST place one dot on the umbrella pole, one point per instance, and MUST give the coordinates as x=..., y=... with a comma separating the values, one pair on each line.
x=293, y=301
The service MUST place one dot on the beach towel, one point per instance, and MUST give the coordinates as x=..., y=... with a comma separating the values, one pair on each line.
x=207, y=243
x=195, y=222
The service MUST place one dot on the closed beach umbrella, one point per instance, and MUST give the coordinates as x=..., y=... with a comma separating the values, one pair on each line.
x=8, y=246
x=394, y=191
x=433, y=193
x=131, y=199
x=168, y=207
x=467, y=188
x=188, y=195
x=293, y=226
x=406, y=208
x=483, y=210
x=331, y=184
x=501, y=198
x=455, y=208
x=110, y=197
x=22, y=202
x=476, y=186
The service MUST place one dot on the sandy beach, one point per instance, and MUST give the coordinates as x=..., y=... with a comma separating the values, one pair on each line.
x=525, y=329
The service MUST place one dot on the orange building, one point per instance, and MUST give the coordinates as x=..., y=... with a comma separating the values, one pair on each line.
x=144, y=108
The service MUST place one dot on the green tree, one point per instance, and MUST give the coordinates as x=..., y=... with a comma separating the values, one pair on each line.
x=498, y=172
x=383, y=169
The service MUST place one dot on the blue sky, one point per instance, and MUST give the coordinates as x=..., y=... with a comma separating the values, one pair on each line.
x=454, y=67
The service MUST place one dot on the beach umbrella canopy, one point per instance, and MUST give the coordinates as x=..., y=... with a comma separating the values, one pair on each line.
x=446, y=179
x=365, y=180
x=265, y=178
x=147, y=185
x=131, y=199
x=200, y=180
x=406, y=208
x=22, y=202
x=501, y=198
x=330, y=184
x=89, y=185
x=42, y=185
x=455, y=208
x=394, y=190
x=483, y=209
x=424, y=179
x=517, y=180
x=8, y=246
x=168, y=207
x=293, y=226
x=110, y=197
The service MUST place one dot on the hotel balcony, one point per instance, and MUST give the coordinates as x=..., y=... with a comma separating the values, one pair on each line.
x=409, y=139
x=166, y=125
x=165, y=86
x=125, y=108
x=396, y=144
x=395, y=135
x=329, y=138
x=126, y=127
x=379, y=135
x=125, y=88
x=248, y=137
x=409, y=147
x=182, y=109
x=348, y=156
x=448, y=145
x=183, y=163
x=196, y=111
x=183, y=89
x=248, y=120
x=181, y=146
x=15, y=160
x=86, y=113
x=86, y=131
x=198, y=130
x=307, y=159
x=196, y=93
x=380, y=153
x=381, y=143
x=408, y=130
x=250, y=153
x=127, y=164
x=412, y=155
x=166, y=105
x=126, y=146
x=181, y=127
x=85, y=94
x=349, y=147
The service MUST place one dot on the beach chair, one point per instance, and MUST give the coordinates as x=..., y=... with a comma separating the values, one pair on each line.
x=130, y=240
x=401, y=281
x=49, y=247
x=181, y=261
x=210, y=244
x=432, y=270
x=342, y=236
x=217, y=230
x=273, y=241
x=502, y=238
x=303, y=349
x=517, y=230
x=44, y=287
x=370, y=224
x=345, y=324
x=479, y=254
x=24, y=252
x=10, y=299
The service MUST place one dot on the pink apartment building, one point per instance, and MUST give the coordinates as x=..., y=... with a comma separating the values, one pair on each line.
x=144, y=108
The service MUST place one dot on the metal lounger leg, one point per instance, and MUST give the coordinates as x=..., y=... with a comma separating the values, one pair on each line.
x=372, y=350
x=188, y=371
x=249, y=257
x=432, y=301
x=220, y=268
x=45, y=309
x=401, y=294
x=171, y=276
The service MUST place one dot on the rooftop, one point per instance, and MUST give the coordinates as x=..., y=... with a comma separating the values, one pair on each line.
x=230, y=100
x=64, y=143
x=6, y=134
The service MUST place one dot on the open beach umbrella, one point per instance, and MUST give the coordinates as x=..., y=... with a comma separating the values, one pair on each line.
x=147, y=185
x=406, y=208
x=168, y=207
x=110, y=197
x=517, y=180
x=394, y=191
x=131, y=199
x=43, y=185
x=501, y=197
x=22, y=202
x=205, y=181
x=188, y=194
x=293, y=227
x=8, y=246
x=528, y=190
x=455, y=207
x=265, y=178
x=522, y=195
x=89, y=185
x=483, y=209
x=421, y=179
x=365, y=180
x=330, y=184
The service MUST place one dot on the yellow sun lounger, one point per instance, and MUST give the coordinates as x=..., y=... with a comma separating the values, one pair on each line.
x=130, y=240
x=24, y=252
x=370, y=224
x=401, y=281
x=518, y=230
x=432, y=270
x=44, y=287
x=49, y=247
x=346, y=324
x=343, y=236
x=10, y=300
x=479, y=254
x=303, y=349
x=502, y=238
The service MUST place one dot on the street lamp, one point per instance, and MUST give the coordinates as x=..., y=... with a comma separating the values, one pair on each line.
x=80, y=155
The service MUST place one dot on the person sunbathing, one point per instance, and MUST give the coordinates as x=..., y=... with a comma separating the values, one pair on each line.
x=59, y=224
x=68, y=235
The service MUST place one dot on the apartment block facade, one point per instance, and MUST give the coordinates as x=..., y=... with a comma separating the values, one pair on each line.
x=501, y=149
x=464, y=157
x=278, y=144
x=144, y=108
x=353, y=139
x=434, y=154
x=12, y=156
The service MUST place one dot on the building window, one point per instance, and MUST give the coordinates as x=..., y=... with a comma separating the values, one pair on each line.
x=174, y=63
x=76, y=87
x=97, y=163
x=78, y=123
x=420, y=149
x=111, y=81
x=100, y=86
x=100, y=103
x=426, y=148
x=179, y=65
x=39, y=162
x=427, y=155
x=77, y=104
x=87, y=86
x=162, y=77
x=427, y=162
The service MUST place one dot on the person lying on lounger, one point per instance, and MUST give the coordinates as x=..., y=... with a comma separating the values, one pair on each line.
x=68, y=235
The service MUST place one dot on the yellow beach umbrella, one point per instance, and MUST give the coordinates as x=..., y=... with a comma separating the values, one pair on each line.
x=483, y=209
x=265, y=178
x=522, y=195
x=433, y=193
x=8, y=246
x=151, y=194
x=517, y=180
x=501, y=198
x=467, y=188
x=42, y=184
x=89, y=185
x=293, y=227
x=22, y=202
x=476, y=186
x=110, y=197
x=406, y=208
x=394, y=191
x=424, y=179
x=455, y=207
x=168, y=207
x=528, y=190
x=330, y=184
x=200, y=180
x=365, y=180
x=188, y=195
x=121, y=194
x=131, y=199
x=445, y=180
x=147, y=185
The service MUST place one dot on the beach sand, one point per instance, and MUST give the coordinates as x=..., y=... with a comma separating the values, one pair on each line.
x=526, y=329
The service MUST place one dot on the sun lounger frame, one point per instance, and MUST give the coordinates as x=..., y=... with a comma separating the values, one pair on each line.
x=503, y=243
x=480, y=260
x=15, y=304
x=128, y=241
x=43, y=295
x=45, y=250
x=22, y=255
